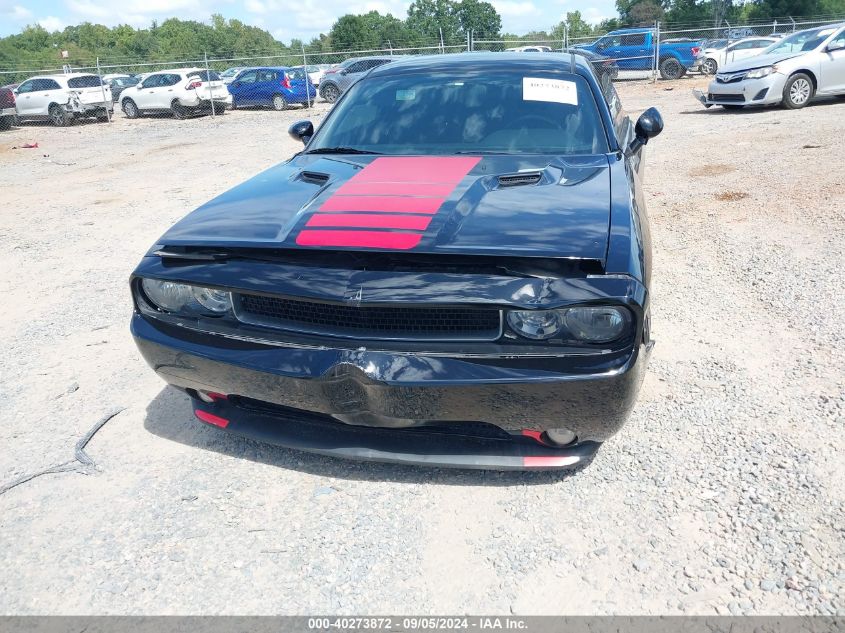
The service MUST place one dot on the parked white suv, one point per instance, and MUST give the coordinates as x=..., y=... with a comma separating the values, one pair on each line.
x=181, y=91
x=63, y=98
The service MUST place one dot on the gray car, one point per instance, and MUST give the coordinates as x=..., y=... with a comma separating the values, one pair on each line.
x=790, y=72
x=337, y=80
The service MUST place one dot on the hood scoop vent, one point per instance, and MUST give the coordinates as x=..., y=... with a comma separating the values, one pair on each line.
x=314, y=177
x=520, y=180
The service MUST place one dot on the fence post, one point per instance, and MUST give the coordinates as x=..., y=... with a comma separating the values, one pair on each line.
x=442, y=50
x=103, y=88
x=305, y=72
x=210, y=89
x=468, y=49
x=656, y=49
x=472, y=39
x=775, y=26
x=565, y=36
x=793, y=23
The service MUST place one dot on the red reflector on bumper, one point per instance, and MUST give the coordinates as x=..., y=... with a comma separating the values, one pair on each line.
x=216, y=420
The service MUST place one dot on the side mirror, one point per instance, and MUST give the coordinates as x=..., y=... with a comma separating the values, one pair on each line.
x=342, y=71
x=835, y=46
x=301, y=131
x=649, y=125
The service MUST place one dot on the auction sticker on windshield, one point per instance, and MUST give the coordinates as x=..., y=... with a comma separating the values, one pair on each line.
x=552, y=90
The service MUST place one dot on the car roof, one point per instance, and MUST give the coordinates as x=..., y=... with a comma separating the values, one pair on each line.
x=178, y=70
x=837, y=25
x=63, y=76
x=461, y=62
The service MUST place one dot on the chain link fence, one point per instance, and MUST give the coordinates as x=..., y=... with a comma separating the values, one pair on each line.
x=658, y=50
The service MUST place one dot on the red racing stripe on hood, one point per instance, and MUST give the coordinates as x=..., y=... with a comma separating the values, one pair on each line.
x=371, y=220
x=385, y=195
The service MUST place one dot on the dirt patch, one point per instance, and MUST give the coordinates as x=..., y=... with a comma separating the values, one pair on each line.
x=731, y=196
x=712, y=170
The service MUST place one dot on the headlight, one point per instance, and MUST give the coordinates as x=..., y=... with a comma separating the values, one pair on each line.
x=536, y=324
x=589, y=324
x=172, y=296
x=596, y=324
x=214, y=300
x=760, y=72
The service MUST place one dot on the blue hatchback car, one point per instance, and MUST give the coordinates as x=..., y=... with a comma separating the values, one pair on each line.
x=277, y=87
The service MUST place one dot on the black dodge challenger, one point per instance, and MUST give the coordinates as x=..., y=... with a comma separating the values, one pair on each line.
x=453, y=272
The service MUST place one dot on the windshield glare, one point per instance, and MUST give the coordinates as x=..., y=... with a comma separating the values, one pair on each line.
x=800, y=42
x=436, y=114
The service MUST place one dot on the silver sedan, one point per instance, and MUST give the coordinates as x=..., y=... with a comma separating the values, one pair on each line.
x=790, y=72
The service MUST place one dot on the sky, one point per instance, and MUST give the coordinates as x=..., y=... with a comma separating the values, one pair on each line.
x=285, y=19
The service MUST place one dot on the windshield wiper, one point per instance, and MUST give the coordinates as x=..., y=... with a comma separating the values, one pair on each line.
x=482, y=151
x=340, y=150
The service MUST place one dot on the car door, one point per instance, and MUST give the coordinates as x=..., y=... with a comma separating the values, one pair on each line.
x=23, y=97
x=634, y=49
x=349, y=76
x=169, y=90
x=832, y=66
x=46, y=91
x=611, y=46
x=267, y=83
x=242, y=88
x=145, y=97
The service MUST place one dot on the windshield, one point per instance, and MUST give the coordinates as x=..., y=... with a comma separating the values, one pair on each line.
x=800, y=42
x=505, y=112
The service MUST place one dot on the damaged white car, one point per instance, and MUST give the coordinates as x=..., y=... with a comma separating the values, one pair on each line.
x=63, y=98
x=790, y=72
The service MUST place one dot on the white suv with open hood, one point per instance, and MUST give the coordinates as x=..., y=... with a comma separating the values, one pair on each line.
x=180, y=91
x=63, y=98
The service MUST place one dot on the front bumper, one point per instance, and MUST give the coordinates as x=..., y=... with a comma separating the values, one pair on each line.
x=764, y=91
x=341, y=389
x=8, y=111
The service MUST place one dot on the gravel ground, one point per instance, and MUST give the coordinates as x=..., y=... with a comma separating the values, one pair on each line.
x=723, y=494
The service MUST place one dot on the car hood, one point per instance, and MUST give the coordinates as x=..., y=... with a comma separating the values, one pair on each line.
x=525, y=205
x=757, y=61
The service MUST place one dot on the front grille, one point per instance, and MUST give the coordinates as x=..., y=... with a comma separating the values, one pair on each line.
x=729, y=98
x=439, y=323
x=729, y=79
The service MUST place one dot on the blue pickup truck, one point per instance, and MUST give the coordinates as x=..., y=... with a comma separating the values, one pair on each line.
x=634, y=49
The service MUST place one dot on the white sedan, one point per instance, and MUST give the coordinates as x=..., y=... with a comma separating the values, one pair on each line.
x=62, y=99
x=180, y=91
x=710, y=60
x=790, y=72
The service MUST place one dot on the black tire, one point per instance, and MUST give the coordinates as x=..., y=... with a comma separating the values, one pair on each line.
x=709, y=66
x=279, y=103
x=130, y=109
x=6, y=122
x=330, y=93
x=59, y=116
x=671, y=69
x=103, y=118
x=733, y=106
x=179, y=111
x=797, y=91
x=218, y=108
